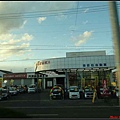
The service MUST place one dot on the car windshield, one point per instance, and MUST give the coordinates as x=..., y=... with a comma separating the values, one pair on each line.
x=87, y=90
x=32, y=86
x=56, y=90
x=73, y=89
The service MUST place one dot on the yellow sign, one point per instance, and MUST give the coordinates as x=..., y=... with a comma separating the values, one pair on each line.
x=113, y=83
x=39, y=83
x=83, y=82
x=94, y=95
x=11, y=82
x=1, y=80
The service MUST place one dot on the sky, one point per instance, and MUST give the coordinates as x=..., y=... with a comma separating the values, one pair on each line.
x=31, y=31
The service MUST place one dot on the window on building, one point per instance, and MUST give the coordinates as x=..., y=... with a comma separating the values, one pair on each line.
x=100, y=64
x=92, y=65
x=84, y=65
x=96, y=64
x=88, y=65
x=29, y=76
x=105, y=64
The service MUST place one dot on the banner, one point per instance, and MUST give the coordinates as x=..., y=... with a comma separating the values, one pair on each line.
x=11, y=82
x=39, y=83
x=1, y=80
x=104, y=86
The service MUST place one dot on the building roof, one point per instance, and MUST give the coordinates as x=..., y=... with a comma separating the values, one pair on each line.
x=5, y=71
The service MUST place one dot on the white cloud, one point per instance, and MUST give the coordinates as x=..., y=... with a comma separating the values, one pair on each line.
x=41, y=19
x=13, y=13
x=14, y=45
x=81, y=39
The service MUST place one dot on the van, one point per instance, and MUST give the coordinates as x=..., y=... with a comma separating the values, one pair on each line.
x=74, y=92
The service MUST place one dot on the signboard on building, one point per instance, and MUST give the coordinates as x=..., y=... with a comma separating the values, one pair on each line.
x=14, y=76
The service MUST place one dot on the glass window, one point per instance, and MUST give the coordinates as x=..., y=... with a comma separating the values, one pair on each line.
x=96, y=64
x=73, y=89
x=84, y=65
x=88, y=65
x=100, y=64
x=92, y=65
x=105, y=64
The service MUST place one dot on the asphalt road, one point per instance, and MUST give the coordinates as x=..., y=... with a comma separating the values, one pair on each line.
x=38, y=105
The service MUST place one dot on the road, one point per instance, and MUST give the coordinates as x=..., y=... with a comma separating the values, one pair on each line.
x=39, y=105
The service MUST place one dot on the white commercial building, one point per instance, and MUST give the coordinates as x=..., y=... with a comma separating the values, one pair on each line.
x=77, y=68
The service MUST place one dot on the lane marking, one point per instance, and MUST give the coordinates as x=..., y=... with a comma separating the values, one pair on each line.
x=34, y=115
x=64, y=107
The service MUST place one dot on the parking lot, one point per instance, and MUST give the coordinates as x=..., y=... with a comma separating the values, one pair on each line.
x=39, y=105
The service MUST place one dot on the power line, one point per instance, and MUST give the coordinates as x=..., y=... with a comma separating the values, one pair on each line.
x=56, y=45
x=50, y=13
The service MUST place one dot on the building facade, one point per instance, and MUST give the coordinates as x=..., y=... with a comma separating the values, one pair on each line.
x=77, y=68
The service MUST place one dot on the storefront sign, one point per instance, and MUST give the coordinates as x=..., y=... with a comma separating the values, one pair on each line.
x=14, y=76
x=42, y=62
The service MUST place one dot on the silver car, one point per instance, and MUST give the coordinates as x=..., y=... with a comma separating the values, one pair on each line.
x=32, y=88
x=88, y=93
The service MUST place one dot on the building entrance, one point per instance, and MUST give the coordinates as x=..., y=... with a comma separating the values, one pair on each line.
x=60, y=81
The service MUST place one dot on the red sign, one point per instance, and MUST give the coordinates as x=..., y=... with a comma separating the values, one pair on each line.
x=15, y=76
x=105, y=90
x=104, y=83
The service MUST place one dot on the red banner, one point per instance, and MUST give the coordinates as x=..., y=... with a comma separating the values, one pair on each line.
x=14, y=76
x=104, y=83
x=105, y=86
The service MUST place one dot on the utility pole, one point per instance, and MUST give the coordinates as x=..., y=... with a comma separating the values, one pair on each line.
x=116, y=38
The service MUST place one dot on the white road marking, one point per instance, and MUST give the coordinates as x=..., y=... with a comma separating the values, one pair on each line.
x=64, y=107
x=33, y=115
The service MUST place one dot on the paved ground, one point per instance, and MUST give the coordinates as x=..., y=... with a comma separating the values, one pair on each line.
x=40, y=106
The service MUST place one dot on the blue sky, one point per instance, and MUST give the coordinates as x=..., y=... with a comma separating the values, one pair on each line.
x=32, y=31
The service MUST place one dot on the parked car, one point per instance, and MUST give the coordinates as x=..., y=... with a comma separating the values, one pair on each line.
x=1, y=97
x=56, y=93
x=74, y=92
x=106, y=93
x=32, y=88
x=5, y=94
x=12, y=91
x=60, y=85
x=21, y=89
x=88, y=92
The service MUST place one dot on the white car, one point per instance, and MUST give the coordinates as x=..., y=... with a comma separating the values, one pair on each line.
x=32, y=88
x=74, y=92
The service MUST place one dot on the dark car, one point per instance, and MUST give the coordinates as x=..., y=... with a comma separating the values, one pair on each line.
x=1, y=97
x=56, y=93
x=60, y=85
x=105, y=93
